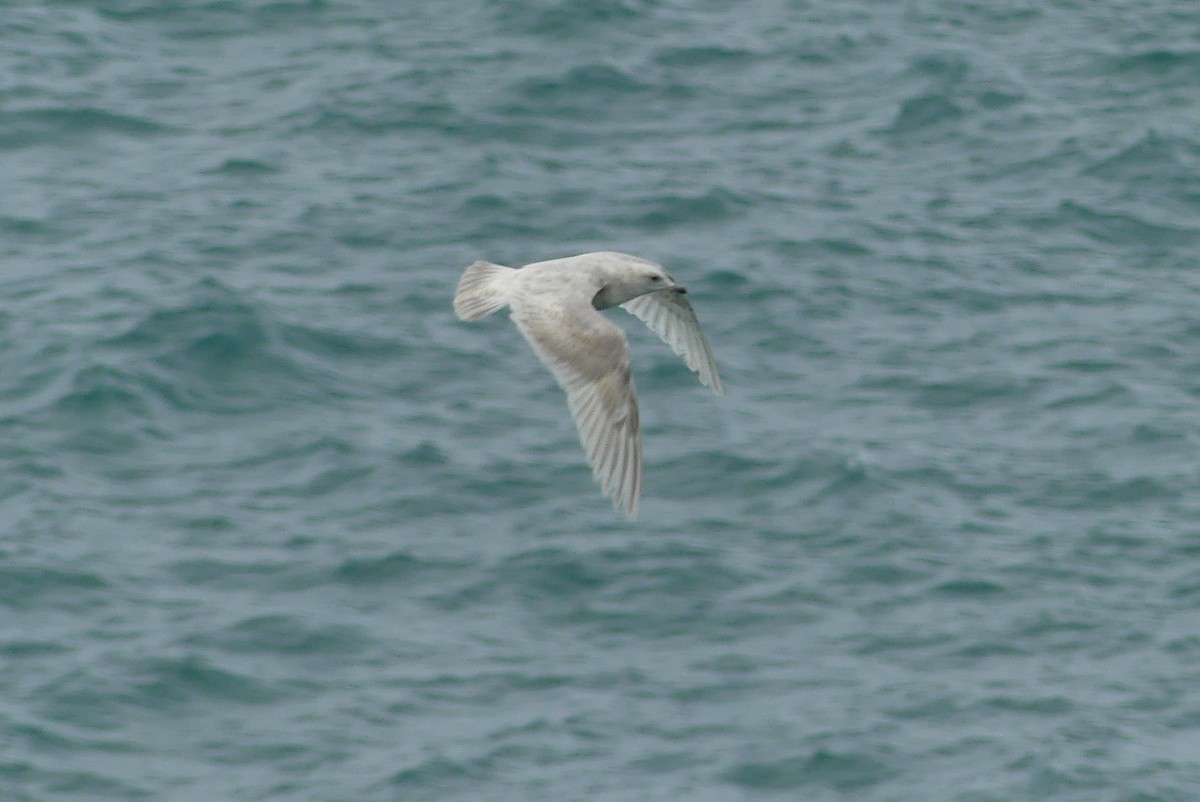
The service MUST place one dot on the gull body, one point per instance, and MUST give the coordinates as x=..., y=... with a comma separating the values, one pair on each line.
x=555, y=305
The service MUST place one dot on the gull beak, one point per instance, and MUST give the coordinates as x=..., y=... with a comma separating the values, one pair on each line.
x=679, y=288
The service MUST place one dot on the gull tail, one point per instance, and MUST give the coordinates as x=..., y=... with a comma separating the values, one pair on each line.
x=483, y=289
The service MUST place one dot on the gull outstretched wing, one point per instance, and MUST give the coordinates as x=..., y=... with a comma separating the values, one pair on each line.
x=589, y=357
x=670, y=316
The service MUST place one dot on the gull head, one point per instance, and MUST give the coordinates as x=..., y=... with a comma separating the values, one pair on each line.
x=627, y=277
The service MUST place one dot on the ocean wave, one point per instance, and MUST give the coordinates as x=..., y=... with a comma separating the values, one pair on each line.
x=290, y=636
x=923, y=112
x=593, y=81
x=1159, y=63
x=1154, y=160
x=395, y=567
x=37, y=586
x=1122, y=228
x=704, y=56
x=567, y=20
x=166, y=684
x=222, y=352
x=676, y=209
x=69, y=126
x=844, y=772
x=621, y=593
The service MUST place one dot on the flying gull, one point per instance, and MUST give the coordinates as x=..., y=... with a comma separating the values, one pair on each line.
x=554, y=304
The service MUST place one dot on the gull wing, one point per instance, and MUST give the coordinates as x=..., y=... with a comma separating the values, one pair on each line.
x=670, y=316
x=589, y=357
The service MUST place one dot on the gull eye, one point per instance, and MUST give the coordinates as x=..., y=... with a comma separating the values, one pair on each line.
x=656, y=278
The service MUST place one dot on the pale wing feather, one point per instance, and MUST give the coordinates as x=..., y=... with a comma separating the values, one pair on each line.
x=670, y=316
x=589, y=357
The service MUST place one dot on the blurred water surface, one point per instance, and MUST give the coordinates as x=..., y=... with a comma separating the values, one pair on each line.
x=275, y=525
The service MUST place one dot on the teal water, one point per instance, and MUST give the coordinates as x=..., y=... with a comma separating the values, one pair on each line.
x=274, y=525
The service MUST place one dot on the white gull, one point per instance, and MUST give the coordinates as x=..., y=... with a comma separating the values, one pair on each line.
x=554, y=304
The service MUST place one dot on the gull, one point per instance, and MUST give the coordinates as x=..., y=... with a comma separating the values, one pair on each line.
x=555, y=305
